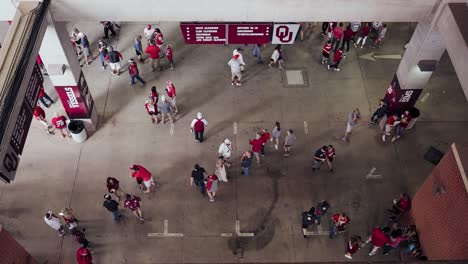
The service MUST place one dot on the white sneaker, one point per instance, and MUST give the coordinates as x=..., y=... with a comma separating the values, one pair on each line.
x=336, y=69
x=362, y=47
x=348, y=256
x=276, y=146
x=383, y=138
x=328, y=66
x=393, y=139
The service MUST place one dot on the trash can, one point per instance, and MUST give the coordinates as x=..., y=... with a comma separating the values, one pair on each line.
x=77, y=130
x=414, y=113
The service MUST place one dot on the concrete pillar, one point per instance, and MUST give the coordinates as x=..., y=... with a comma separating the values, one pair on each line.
x=65, y=74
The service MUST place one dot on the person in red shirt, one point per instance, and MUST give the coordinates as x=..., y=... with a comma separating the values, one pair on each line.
x=330, y=154
x=158, y=37
x=39, y=114
x=134, y=72
x=337, y=59
x=83, y=256
x=60, y=123
x=401, y=127
x=171, y=93
x=400, y=206
x=337, y=35
x=347, y=35
x=265, y=137
x=138, y=171
x=257, y=144
x=391, y=122
x=339, y=224
x=154, y=94
x=378, y=239
x=153, y=51
x=152, y=110
x=354, y=244
x=169, y=56
x=326, y=52
x=364, y=34
x=42, y=94
x=132, y=203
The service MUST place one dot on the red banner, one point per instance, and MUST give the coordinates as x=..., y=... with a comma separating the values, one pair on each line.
x=72, y=101
x=249, y=33
x=203, y=33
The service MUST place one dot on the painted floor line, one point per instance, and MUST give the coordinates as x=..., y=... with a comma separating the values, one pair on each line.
x=165, y=232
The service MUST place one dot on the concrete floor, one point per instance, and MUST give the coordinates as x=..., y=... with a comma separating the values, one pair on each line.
x=55, y=173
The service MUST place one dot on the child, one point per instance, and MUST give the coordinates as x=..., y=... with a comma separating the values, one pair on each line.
x=326, y=52
x=354, y=244
x=169, y=55
x=337, y=59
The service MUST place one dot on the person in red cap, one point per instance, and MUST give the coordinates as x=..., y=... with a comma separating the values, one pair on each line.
x=171, y=93
x=152, y=110
x=83, y=256
x=236, y=74
x=378, y=239
x=138, y=171
x=169, y=56
x=39, y=114
x=153, y=51
x=60, y=123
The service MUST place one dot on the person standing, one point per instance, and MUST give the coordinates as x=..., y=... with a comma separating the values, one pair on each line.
x=246, y=162
x=87, y=55
x=353, y=245
x=391, y=122
x=114, y=58
x=337, y=57
x=112, y=206
x=148, y=32
x=400, y=206
x=198, y=127
x=238, y=51
x=132, y=203
x=158, y=38
x=308, y=218
x=378, y=240
x=153, y=51
x=154, y=95
x=401, y=127
x=212, y=186
x=276, y=134
x=138, y=48
x=108, y=26
x=352, y=121
x=330, y=156
x=102, y=47
x=288, y=142
x=265, y=137
x=337, y=35
x=320, y=210
x=225, y=150
x=277, y=57
x=54, y=222
x=171, y=93
x=134, y=72
x=170, y=56
x=236, y=74
x=83, y=256
x=324, y=28
x=198, y=178
x=165, y=108
x=152, y=110
x=380, y=36
x=257, y=144
x=340, y=221
x=364, y=34
x=69, y=218
x=60, y=123
x=138, y=171
x=320, y=157
x=257, y=53
x=379, y=112
x=39, y=114
x=347, y=35
x=113, y=186
x=221, y=169
x=80, y=237
x=326, y=52
x=42, y=94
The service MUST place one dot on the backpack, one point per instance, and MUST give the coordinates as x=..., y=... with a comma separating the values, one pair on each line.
x=199, y=126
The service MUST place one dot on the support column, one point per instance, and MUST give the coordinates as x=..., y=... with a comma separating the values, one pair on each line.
x=66, y=75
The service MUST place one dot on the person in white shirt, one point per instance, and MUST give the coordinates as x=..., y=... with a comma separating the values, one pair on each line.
x=241, y=58
x=54, y=222
x=236, y=74
x=225, y=150
x=148, y=31
x=277, y=57
x=198, y=127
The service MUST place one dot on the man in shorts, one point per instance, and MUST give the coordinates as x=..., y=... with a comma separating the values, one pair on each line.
x=114, y=57
x=138, y=171
x=352, y=120
x=320, y=157
x=85, y=47
x=288, y=142
x=257, y=144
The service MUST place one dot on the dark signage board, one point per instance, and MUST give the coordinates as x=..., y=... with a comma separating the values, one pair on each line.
x=203, y=33
x=399, y=99
x=249, y=33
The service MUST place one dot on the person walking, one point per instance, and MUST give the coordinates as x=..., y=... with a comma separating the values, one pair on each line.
x=352, y=121
x=324, y=28
x=165, y=108
x=330, y=156
x=337, y=36
x=148, y=32
x=138, y=48
x=170, y=56
x=265, y=137
x=154, y=95
x=132, y=203
x=83, y=256
x=257, y=53
x=257, y=144
x=320, y=210
x=378, y=239
x=198, y=127
x=42, y=95
x=353, y=245
x=391, y=122
x=114, y=57
x=380, y=36
x=288, y=142
x=112, y=206
x=340, y=221
x=326, y=52
x=347, y=36
x=320, y=157
x=239, y=51
x=276, y=134
x=87, y=55
x=153, y=51
x=225, y=150
x=158, y=38
x=102, y=47
x=60, y=123
x=246, y=162
x=379, y=112
x=54, y=222
x=395, y=238
x=221, y=169
x=212, y=186
x=236, y=73
x=363, y=36
x=113, y=186
x=152, y=110
x=134, y=72
x=308, y=218
x=39, y=114
x=138, y=171
x=400, y=206
x=337, y=57
x=171, y=93
x=108, y=26
x=198, y=178
x=277, y=57
x=80, y=237
x=69, y=218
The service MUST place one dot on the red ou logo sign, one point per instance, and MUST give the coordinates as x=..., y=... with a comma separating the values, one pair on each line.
x=283, y=34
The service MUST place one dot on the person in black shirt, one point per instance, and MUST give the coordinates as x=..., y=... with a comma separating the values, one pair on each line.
x=198, y=177
x=308, y=218
x=112, y=206
x=319, y=157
